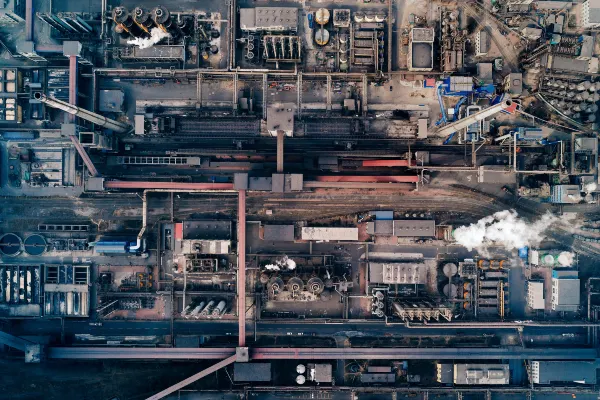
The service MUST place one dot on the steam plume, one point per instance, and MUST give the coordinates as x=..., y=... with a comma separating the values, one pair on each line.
x=156, y=35
x=505, y=229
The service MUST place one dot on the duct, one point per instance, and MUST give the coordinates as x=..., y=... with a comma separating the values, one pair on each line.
x=506, y=105
x=94, y=118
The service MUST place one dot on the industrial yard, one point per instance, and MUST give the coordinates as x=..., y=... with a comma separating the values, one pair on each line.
x=374, y=199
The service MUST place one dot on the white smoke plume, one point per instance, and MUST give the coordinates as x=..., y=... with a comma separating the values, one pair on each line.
x=156, y=35
x=505, y=229
x=590, y=187
x=566, y=258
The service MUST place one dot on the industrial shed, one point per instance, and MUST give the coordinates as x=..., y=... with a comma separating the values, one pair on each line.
x=252, y=372
x=327, y=234
x=414, y=228
x=279, y=233
x=549, y=372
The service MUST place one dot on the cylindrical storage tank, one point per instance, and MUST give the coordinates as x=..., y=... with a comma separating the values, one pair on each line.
x=208, y=309
x=315, y=285
x=300, y=379
x=10, y=245
x=275, y=285
x=322, y=37
x=35, y=245
x=450, y=290
x=359, y=17
x=162, y=18
x=343, y=38
x=219, y=309
x=295, y=284
x=122, y=17
x=379, y=295
x=450, y=270
x=322, y=16
x=379, y=18
x=143, y=19
x=300, y=369
x=214, y=49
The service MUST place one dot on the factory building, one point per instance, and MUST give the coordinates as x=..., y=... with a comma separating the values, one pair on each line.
x=565, y=194
x=481, y=374
x=590, y=14
x=565, y=290
x=279, y=233
x=20, y=291
x=269, y=19
x=329, y=234
x=482, y=43
x=397, y=273
x=66, y=290
x=535, y=295
x=563, y=372
x=420, y=49
x=402, y=228
x=472, y=374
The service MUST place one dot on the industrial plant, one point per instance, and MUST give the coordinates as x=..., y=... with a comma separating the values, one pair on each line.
x=345, y=200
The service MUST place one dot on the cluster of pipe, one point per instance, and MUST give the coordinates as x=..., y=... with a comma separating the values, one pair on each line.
x=210, y=309
x=281, y=47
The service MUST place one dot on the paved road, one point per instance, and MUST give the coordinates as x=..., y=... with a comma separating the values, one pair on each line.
x=278, y=328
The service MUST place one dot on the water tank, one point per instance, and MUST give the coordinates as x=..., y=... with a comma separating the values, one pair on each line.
x=300, y=368
x=10, y=244
x=322, y=37
x=322, y=16
x=450, y=269
x=295, y=284
x=300, y=379
x=450, y=290
x=35, y=245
